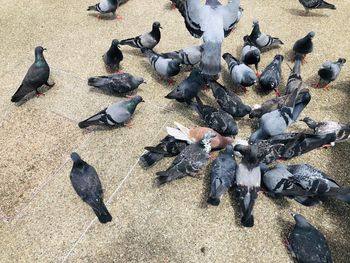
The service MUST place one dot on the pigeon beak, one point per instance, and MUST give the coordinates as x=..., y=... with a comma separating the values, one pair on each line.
x=142, y=100
x=144, y=82
x=44, y=49
x=161, y=27
x=293, y=214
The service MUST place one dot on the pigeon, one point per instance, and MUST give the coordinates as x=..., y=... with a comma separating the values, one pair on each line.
x=316, y=4
x=168, y=147
x=213, y=22
x=229, y=102
x=193, y=158
x=342, y=131
x=248, y=179
x=304, y=183
x=105, y=6
x=37, y=75
x=296, y=144
x=217, y=119
x=87, y=185
x=277, y=121
x=329, y=72
x=250, y=54
x=114, y=115
x=166, y=67
x=187, y=56
x=222, y=175
x=261, y=40
x=270, y=105
x=307, y=244
x=113, y=56
x=196, y=134
x=188, y=88
x=294, y=79
x=304, y=46
x=116, y=83
x=271, y=76
x=146, y=40
x=240, y=73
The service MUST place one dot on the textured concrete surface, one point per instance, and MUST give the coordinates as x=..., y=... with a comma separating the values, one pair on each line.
x=43, y=220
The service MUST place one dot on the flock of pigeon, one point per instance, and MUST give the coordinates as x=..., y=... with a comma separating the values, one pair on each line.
x=192, y=146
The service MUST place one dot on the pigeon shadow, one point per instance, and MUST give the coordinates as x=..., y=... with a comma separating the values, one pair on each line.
x=106, y=17
x=300, y=12
x=206, y=188
x=234, y=201
x=110, y=93
x=134, y=51
x=227, y=83
x=286, y=226
x=43, y=89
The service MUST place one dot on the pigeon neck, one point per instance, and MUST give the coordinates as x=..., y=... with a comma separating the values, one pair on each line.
x=131, y=106
x=39, y=59
x=113, y=51
x=256, y=31
x=155, y=33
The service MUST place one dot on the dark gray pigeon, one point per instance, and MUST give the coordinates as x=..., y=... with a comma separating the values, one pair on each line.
x=241, y=74
x=228, y=101
x=113, y=56
x=166, y=67
x=37, y=76
x=329, y=72
x=116, y=84
x=342, y=131
x=146, y=40
x=168, y=147
x=115, y=115
x=316, y=4
x=250, y=54
x=187, y=56
x=271, y=76
x=213, y=22
x=87, y=185
x=217, y=119
x=304, y=46
x=188, y=88
x=248, y=180
x=222, y=175
x=270, y=105
x=304, y=183
x=277, y=121
x=105, y=7
x=193, y=158
x=262, y=40
x=294, y=80
x=307, y=244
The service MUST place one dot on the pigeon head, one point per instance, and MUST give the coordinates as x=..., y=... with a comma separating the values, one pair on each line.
x=300, y=221
x=231, y=128
x=138, y=81
x=341, y=61
x=311, y=35
x=279, y=58
x=39, y=50
x=75, y=157
x=137, y=99
x=230, y=59
x=230, y=150
x=310, y=122
x=156, y=25
x=255, y=22
x=249, y=78
x=39, y=56
x=174, y=67
x=115, y=43
x=256, y=113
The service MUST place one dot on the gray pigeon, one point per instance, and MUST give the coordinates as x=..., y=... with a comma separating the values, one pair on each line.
x=222, y=175
x=105, y=6
x=342, y=131
x=228, y=101
x=307, y=244
x=277, y=121
x=271, y=76
x=294, y=79
x=189, y=88
x=270, y=105
x=217, y=119
x=316, y=4
x=261, y=40
x=304, y=46
x=88, y=186
x=168, y=147
x=37, y=75
x=166, y=67
x=193, y=158
x=303, y=183
x=116, y=83
x=241, y=74
x=213, y=22
x=248, y=180
x=187, y=56
x=115, y=115
x=250, y=54
x=329, y=72
x=146, y=40
x=113, y=56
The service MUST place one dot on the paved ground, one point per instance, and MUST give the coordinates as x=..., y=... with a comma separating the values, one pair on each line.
x=43, y=220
